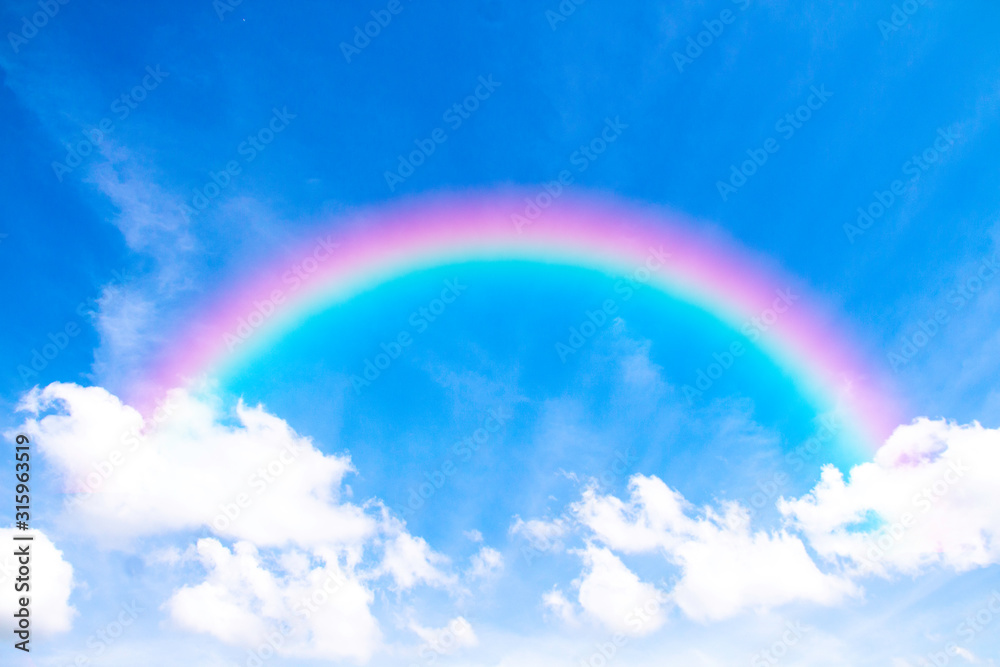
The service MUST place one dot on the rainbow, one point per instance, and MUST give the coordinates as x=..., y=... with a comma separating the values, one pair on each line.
x=378, y=245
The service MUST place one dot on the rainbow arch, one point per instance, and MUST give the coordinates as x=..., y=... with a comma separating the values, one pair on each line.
x=382, y=244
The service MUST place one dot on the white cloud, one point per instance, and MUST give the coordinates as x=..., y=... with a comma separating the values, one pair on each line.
x=283, y=532
x=487, y=563
x=411, y=561
x=542, y=535
x=249, y=479
x=296, y=608
x=254, y=480
x=930, y=497
x=458, y=634
x=51, y=582
x=557, y=602
x=653, y=518
x=613, y=595
x=726, y=570
x=724, y=567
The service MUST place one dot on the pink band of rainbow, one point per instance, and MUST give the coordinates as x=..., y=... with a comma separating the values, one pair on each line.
x=382, y=244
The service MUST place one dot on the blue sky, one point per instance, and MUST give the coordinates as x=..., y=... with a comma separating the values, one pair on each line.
x=540, y=542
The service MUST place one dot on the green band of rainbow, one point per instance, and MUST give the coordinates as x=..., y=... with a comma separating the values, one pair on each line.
x=384, y=244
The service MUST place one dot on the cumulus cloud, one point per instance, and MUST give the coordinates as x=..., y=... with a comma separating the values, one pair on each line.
x=456, y=635
x=487, y=563
x=654, y=517
x=541, y=534
x=559, y=605
x=254, y=479
x=411, y=561
x=725, y=568
x=295, y=607
x=613, y=594
x=292, y=555
x=51, y=584
x=300, y=573
x=931, y=496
